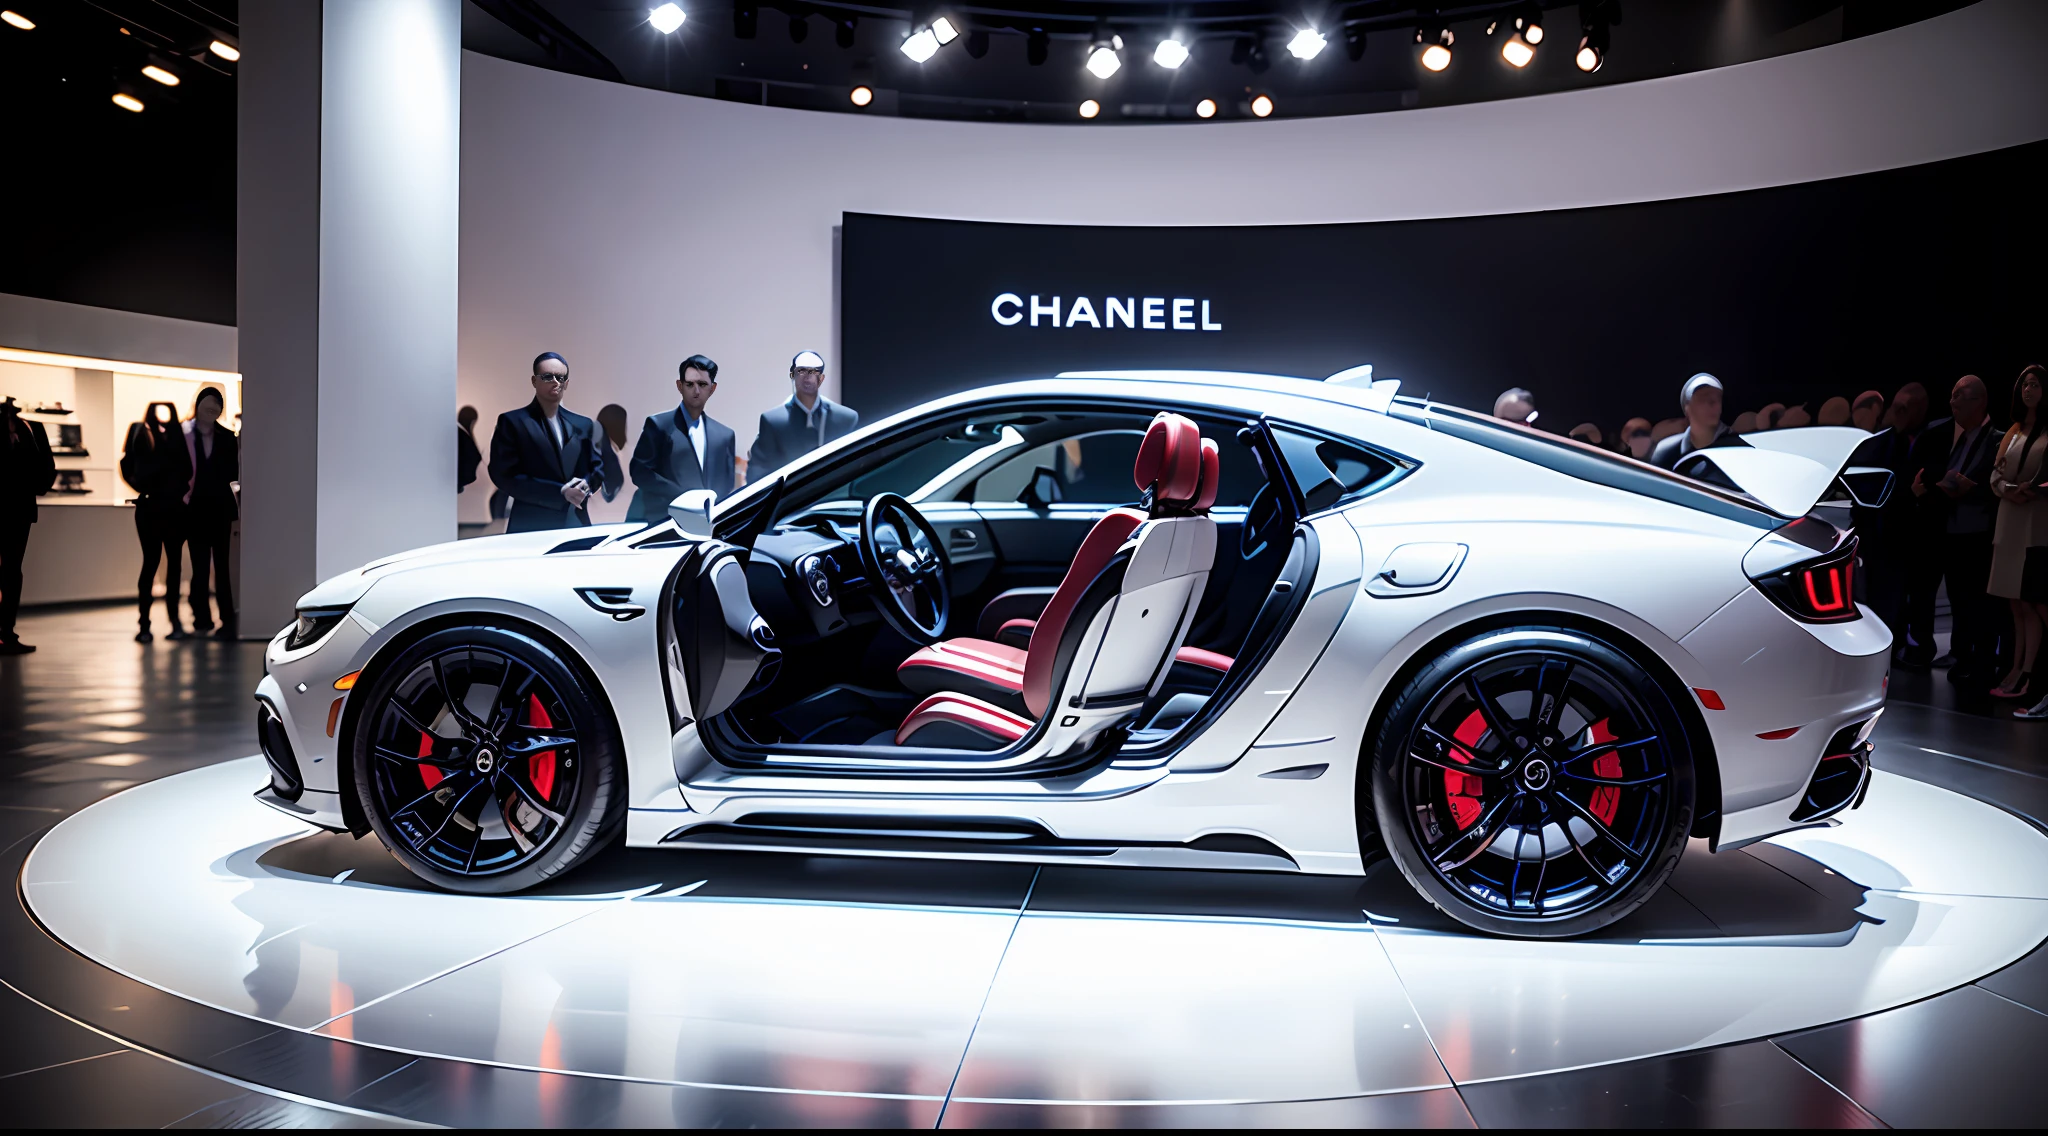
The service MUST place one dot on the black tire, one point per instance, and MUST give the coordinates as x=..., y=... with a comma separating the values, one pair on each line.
x=1521, y=736
x=486, y=805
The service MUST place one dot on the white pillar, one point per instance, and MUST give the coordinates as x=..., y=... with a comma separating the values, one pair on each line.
x=350, y=116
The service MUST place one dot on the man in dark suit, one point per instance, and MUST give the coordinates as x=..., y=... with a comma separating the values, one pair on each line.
x=544, y=456
x=682, y=449
x=26, y=472
x=1951, y=474
x=804, y=423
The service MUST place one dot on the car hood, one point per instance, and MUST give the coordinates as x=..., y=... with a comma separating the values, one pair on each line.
x=348, y=587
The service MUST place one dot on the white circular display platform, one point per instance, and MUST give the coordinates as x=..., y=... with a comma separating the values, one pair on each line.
x=1075, y=984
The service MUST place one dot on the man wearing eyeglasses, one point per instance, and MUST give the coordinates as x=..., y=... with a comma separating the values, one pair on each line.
x=544, y=456
x=683, y=449
x=804, y=423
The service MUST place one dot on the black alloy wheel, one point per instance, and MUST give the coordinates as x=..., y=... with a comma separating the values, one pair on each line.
x=1534, y=782
x=483, y=763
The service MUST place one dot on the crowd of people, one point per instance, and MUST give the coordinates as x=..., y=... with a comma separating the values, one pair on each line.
x=1968, y=514
x=554, y=468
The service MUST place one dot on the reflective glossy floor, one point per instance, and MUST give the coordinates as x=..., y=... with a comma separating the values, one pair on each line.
x=225, y=967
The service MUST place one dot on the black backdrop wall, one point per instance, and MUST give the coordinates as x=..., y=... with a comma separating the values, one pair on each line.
x=1789, y=295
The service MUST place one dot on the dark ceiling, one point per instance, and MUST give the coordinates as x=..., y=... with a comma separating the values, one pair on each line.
x=750, y=53
x=136, y=210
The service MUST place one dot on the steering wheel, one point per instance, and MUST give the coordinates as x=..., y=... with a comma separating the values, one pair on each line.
x=907, y=568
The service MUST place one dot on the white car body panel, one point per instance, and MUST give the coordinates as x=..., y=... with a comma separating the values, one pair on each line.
x=1531, y=542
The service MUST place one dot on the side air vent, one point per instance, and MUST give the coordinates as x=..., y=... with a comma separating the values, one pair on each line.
x=1839, y=780
x=277, y=750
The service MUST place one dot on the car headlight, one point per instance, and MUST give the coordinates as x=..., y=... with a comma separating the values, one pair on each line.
x=313, y=625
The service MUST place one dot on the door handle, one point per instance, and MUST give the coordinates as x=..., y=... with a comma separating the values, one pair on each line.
x=962, y=540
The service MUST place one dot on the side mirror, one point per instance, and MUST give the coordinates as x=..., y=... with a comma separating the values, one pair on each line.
x=692, y=512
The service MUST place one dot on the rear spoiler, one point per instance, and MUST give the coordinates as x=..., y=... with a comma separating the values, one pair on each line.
x=1790, y=471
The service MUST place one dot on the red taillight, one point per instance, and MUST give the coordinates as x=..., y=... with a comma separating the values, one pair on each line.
x=1818, y=591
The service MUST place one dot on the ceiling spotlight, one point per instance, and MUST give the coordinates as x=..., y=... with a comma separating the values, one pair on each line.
x=977, y=43
x=744, y=19
x=1262, y=105
x=1354, y=43
x=1036, y=44
x=944, y=30
x=226, y=51
x=799, y=28
x=161, y=75
x=1103, y=60
x=1306, y=44
x=1170, y=53
x=1592, y=48
x=123, y=99
x=861, y=95
x=23, y=22
x=1530, y=25
x=921, y=45
x=1205, y=109
x=1090, y=108
x=1516, y=50
x=667, y=18
x=1437, y=55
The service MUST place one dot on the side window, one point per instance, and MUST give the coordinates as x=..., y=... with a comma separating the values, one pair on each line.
x=1329, y=472
x=1091, y=469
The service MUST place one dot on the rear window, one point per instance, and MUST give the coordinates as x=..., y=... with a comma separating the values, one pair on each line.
x=1577, y=459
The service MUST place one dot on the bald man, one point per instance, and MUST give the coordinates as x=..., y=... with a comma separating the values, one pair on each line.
x=1951, y=482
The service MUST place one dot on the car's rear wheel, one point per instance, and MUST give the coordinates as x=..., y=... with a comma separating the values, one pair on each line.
x=483, y=762
x=1534, y=781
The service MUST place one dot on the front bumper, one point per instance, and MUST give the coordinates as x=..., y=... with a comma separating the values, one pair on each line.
x=291, y=790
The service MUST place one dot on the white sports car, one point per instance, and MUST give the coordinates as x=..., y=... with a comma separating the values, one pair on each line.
x=1319, y=620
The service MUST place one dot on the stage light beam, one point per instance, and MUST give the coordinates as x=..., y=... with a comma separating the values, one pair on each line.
x=126, y=101
x=1090, y=108
x=921, y=45
x=667, y=18
x=1262, y=106
x=1103, y=60
x=160, y=75
x=1437, y=55
x=1307, y=44
x=16, y=19
x=1205, y=109
x=861, y=95
x=1517, y=51
x=226, y=51
x=944, y=31
x=1170, y=53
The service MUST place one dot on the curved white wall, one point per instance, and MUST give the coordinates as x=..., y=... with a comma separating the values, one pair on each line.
x=628, y=228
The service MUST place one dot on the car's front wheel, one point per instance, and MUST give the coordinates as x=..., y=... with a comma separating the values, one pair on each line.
x=484, y=763
x=1534, y=781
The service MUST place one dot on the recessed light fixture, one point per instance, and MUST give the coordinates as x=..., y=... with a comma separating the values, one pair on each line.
x=1262, y=106
x=1103, y=60
x=1170, y=53
x=921, y=45
x=1437, y=55
x=18, y=20
x=1205, y=109
x=862, y=95
x=126, y=101
x=667, y=18
x=1307, y=44
x=160, y=75
x=225, y=50
x=1090, y=108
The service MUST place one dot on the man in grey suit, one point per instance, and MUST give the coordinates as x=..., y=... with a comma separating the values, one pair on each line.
x=682, y=449
x=808, y=420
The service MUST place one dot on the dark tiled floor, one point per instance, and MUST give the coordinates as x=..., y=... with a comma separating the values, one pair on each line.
x=93, y=713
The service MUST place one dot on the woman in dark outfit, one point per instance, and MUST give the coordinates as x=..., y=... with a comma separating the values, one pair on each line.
x=210, y=513
x=154, y=464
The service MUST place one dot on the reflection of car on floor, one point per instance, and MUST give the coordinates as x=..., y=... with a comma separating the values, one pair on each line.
x=1319, y=619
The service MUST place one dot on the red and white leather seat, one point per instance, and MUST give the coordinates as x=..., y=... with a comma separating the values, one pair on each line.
x=984, y=695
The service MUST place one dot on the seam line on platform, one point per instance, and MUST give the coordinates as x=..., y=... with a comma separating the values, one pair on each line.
x=1415, y=1011
x=986, y=994
x=1815, y=1074
x=1979, y=984
x=61, y=1064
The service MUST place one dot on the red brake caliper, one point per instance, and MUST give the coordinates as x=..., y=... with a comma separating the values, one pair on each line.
x=430, y=774
x=541, y=766
x=1466, y=791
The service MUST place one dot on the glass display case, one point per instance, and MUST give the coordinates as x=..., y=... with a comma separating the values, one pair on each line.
x=87, y=405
